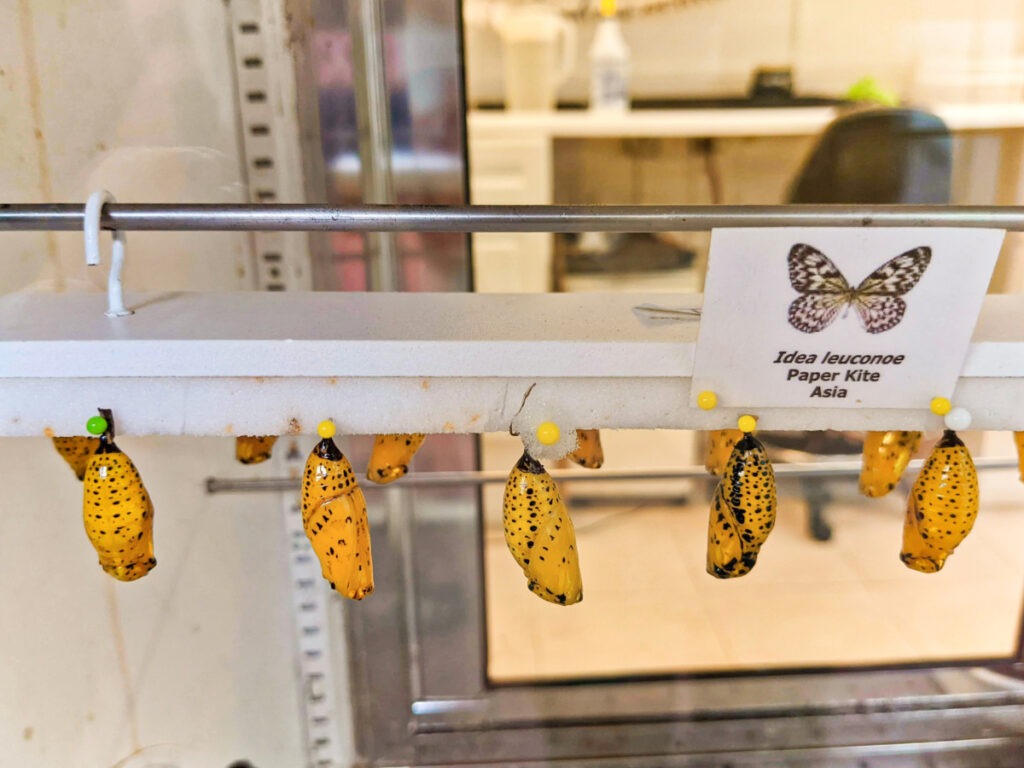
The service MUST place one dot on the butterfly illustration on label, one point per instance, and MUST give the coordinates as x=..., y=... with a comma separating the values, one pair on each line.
x=825, y=290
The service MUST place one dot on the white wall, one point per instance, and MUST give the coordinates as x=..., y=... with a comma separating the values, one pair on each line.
x=191, y=665
x=710, y=47
x=194, y=664
x=135, y=97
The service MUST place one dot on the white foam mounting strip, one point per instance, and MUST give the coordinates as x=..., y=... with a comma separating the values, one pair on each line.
x=265, y=363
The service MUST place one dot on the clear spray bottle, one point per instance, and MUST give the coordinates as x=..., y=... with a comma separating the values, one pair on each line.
x=609, y=63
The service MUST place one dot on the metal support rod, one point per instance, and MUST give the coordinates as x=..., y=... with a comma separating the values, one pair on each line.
x=503, y=218
x=466, y=478
x=373, y=115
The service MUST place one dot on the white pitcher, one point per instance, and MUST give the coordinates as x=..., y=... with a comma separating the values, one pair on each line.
x=538, y=52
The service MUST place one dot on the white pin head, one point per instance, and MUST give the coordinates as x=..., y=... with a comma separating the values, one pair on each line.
x=958, y=419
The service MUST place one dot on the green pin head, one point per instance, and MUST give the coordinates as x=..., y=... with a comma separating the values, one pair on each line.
x=97, y=425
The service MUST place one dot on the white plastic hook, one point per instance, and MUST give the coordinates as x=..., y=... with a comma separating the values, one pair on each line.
x=93, y=211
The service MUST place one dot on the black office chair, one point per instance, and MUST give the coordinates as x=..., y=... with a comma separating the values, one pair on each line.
x=871, y=157
x=876, y=157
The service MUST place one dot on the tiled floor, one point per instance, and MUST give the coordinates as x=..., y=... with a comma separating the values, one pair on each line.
x=649, y=606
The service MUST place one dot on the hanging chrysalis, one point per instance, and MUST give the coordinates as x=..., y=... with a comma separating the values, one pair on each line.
x=116, y=509
x=1018, y=438
x=334, y=516
x=743, y=510
x=588, y=451
x=720, y=445
x=76, y=451
x=886, y=455
x=943, y=506
x=253, y=449
x=391, y=455
x=540, y=534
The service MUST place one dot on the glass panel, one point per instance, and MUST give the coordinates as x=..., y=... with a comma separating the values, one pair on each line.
x=650, y=608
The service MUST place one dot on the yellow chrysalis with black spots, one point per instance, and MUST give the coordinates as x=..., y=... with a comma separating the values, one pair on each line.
x=886, y=456
x=118, y=513
x=942, y=507
x=1018, y=439
x=720, y=445
x=588, y=451
x=540, y=535
x=76, y=451
x=742, y=511
x=253, y=449
x=391, y=455
x=334, y=517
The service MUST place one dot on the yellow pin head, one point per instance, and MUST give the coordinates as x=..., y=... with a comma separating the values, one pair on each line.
x=326, y=429
x=941, y=406
x=746, y=423
x=707, y=400
x=548, y=433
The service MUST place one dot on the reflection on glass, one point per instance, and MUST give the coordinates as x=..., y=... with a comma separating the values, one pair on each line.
x=423, y=74
x=829, y=589
x=847, y=601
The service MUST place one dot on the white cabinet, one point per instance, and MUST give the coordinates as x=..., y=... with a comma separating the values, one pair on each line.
x=510, y=169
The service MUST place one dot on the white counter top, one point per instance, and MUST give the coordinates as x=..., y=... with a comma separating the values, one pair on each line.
x=733, y=122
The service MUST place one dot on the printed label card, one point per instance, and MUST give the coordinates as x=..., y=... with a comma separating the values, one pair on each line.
x=830, y=317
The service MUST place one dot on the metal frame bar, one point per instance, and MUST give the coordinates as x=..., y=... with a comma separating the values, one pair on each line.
x=502, y=218
x=482, y=477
